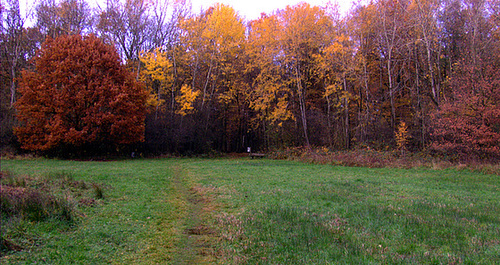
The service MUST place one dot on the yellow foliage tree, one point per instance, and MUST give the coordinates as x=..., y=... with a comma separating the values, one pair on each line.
x=213, y=41
x=402, y=136
x=186, y=100
x=158, y=76
x=270, y=96
x=224, y=28
x=302, y=37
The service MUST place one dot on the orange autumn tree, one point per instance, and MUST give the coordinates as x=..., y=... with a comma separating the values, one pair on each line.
x=79, y=97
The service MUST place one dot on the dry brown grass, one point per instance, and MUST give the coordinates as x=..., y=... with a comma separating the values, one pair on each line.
x=39, y=199
x=381, y=159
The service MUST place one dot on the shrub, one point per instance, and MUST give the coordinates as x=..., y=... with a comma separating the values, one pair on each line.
x=467, y=125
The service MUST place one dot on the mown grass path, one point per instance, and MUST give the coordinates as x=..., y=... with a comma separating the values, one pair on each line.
x=242, y=211
x=197, y=239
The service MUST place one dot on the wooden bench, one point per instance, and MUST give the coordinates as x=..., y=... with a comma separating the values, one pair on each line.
x=254, y=155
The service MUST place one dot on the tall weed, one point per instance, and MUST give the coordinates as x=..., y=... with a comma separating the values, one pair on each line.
x=380, y=159
x=48, y=198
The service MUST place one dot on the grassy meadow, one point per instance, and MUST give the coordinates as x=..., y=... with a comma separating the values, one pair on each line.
x=243, y=211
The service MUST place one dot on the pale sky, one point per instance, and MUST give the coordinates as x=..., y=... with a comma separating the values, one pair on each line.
x=248, y=9
x=251, y=9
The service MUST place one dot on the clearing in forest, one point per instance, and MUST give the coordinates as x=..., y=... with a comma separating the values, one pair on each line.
x=187, y=211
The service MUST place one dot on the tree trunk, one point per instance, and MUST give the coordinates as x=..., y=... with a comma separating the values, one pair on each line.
x=368, y=114
x=329, y=122
x=302, y=105
x=13, y=84
x=391, y=94
x=346, y=112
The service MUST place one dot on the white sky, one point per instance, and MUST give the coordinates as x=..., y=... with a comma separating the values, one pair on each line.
x=251, y=9
x=248, y=9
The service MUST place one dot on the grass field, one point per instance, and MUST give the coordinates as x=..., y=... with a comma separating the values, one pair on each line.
x=196, y=211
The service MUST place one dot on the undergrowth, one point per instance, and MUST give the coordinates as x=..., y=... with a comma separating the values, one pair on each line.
x=26, y=201
x=371, y=158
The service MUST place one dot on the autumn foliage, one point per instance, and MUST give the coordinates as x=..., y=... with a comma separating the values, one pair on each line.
x=79, y=95
x=408, y=75
x=468, y=124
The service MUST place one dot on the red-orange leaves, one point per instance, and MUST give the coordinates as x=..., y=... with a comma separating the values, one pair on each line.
x=80, y=96
x=468, y=124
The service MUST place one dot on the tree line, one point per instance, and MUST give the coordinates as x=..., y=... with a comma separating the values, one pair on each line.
x=389, y=74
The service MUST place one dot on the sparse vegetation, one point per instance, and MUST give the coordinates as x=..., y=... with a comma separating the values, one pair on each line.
x=52, y=199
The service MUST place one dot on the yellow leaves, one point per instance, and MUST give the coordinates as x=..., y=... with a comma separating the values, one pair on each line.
x=281, y=112
x=276, y=109
x=343, y=38
x=332, y=89
x=304, y=28
x=402, y=135
x=157, y=65
x=186, y=100
x=157, y=68
x=224, y=27
x=153, y=101
x=228, y=96
x=289, y=37
x=339, y=50
x=336, y=95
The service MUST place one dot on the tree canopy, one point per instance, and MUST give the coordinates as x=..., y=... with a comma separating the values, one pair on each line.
x=301, y=75
x=79, y=96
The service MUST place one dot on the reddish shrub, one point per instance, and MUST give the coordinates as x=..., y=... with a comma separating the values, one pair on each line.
x=468, y=124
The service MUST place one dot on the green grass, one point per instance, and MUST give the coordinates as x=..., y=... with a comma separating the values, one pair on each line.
x=138, y=220
x=186, y=211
